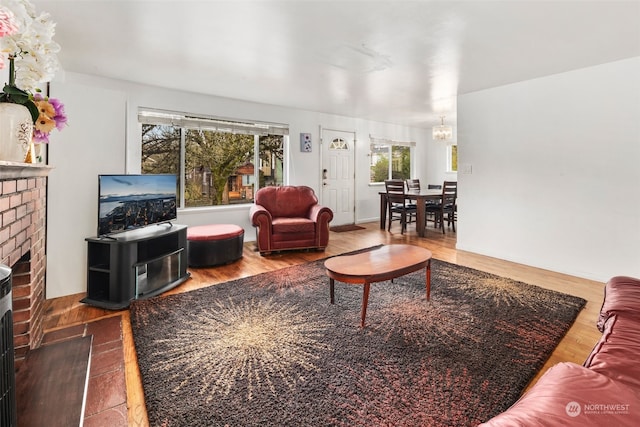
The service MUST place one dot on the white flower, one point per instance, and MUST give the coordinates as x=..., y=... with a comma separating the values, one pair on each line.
x=32, y=47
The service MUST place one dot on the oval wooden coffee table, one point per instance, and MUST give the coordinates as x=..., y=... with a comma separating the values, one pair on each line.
x=377, y=265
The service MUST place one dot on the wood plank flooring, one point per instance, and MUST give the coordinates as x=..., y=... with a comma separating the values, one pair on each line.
x=575, y=347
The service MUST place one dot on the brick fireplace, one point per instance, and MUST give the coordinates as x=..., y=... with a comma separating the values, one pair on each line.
x=23, y=195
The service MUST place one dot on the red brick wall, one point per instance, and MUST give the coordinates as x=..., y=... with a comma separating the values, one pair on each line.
x=22, y=240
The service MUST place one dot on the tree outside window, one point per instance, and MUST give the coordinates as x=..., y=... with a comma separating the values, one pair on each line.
x=218, y=167
x=452, y=158
x=379, y=168
x=400, y=162
x=161, y=150
x=389, y=162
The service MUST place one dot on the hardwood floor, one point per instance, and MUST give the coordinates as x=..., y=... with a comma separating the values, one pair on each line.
x=575, y=347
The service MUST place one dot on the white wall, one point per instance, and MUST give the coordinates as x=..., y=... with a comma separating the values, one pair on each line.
x=555, y=171
x=554, y=180
x=434, y=169
x=91, y=144
x=103, y=136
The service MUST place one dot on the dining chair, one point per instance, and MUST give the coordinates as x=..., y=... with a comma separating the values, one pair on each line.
x=446, y=207
x=413, y=184
x=398, y=208
x=433, y=187
x=452, y=218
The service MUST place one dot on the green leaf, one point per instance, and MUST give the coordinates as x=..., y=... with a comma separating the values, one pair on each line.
x=18, y=96
x=14, y=91
x=35, y=113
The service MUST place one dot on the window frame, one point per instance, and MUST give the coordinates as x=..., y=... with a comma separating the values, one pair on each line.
x=390, y=145
x=185, y=122
x=450, y=162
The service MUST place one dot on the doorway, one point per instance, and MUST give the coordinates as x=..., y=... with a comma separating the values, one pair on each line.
x=338, y=174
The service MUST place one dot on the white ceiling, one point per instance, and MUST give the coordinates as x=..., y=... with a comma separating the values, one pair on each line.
x=393, y=61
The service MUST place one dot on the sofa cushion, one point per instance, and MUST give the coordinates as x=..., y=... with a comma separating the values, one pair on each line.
x=572, y=395
x=288, y=201
x=293, y=225
x=622, y=295
x=615, y=354
x=214, y=232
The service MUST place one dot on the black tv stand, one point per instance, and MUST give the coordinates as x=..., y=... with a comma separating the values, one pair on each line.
x=135, y=264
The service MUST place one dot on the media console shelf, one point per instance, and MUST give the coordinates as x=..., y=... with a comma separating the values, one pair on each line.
x=135, y=264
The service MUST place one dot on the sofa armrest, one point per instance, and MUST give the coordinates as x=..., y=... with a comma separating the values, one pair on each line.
x=621, y=295
x=322, y=216
x=260, y=217
x=319, y=213
x=614, y=354
x=572, y=395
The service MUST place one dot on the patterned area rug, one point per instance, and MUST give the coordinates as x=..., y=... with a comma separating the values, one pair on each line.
x=270, y=350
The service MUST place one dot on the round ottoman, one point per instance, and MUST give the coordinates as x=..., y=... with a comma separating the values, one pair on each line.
x=214, y=244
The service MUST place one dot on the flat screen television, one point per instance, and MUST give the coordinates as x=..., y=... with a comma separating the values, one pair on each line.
x=127, y=202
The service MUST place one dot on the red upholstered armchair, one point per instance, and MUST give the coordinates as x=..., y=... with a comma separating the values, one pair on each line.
x=289, y=217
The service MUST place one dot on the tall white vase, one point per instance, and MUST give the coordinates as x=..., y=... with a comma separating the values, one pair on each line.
x=16, y=131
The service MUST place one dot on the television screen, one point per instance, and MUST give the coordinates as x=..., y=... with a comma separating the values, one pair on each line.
x=127, y=202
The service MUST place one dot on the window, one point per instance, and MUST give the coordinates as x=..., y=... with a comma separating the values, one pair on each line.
x=400, y=162
x=214, y=159
x=389, y=160
x=338, y=144
x=452, y=158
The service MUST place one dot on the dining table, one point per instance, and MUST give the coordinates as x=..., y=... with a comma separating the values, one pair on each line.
x=420, y=197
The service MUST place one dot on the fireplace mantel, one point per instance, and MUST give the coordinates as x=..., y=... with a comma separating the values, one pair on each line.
x=9, y=170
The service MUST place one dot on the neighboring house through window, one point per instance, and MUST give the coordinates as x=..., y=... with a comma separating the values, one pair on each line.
x=218, y=161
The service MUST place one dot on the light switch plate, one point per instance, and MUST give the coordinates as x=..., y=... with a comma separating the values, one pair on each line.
x=465, y=168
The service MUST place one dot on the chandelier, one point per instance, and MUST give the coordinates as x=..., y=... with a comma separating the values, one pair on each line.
x=442, y=132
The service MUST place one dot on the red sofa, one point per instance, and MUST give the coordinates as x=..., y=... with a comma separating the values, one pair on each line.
x=289, y=217
x=605, y=391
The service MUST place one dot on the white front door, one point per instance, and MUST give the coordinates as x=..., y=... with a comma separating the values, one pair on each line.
x=338, y=174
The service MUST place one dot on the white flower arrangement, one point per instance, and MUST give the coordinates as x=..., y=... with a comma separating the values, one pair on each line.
x=27, y=41
x=31, y=47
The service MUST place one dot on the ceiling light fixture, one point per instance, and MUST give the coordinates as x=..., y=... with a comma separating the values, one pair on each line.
x=442, y=132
